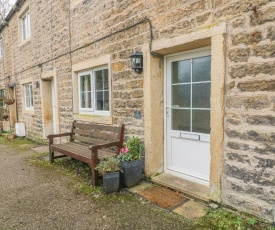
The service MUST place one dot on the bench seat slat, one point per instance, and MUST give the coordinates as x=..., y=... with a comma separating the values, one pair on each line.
x=82, y=150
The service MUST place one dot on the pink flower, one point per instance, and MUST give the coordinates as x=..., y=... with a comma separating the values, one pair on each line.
x=126, y=150
x=121, y=150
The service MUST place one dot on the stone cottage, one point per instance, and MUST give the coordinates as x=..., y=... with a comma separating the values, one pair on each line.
x=204, y=102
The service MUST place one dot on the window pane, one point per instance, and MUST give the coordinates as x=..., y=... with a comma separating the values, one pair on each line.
x=181, y=119
x=106, y=79
x=24, y=27
x=201, y=121
x=201, y=69
x=28, y=25
x=99, y=100
x=85, y=83
x=106, y=100
x=201, y=95
x=86, y=101
x=181, y=71
x=99, y=80
x=181, y=96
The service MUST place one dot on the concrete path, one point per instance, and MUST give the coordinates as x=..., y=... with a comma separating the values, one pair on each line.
x=33, y=197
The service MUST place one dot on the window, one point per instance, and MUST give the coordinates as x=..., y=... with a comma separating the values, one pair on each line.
x=28, y=96
x=26, y=28
x=2, y=95
x=94, y=91
x=1, y=47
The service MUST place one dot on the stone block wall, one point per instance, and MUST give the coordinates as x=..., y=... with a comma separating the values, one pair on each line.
x=57, y=29
x=249, y=160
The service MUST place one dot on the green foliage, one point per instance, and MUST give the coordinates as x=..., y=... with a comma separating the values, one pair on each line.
x=108, y=166
x=221, y=219
x=132, y=150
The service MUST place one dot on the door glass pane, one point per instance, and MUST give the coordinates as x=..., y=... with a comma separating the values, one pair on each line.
x=181, y=72
x=201, y=69
x=201, y=121
x=201, y=95
x=181, y=119
x=181, y=96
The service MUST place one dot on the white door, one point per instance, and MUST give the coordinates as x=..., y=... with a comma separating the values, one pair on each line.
x=188, y=86
x=53, y=107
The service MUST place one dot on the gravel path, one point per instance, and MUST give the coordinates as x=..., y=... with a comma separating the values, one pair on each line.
x=33, y=197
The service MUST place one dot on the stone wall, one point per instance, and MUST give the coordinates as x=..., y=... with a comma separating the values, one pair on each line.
x=57, y=29
x=249, y=144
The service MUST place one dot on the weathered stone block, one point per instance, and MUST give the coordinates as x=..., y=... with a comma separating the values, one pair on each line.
x=205, y=18
x=238, y=146
x=239, y=22
x=252, y=69
x=264, y=51
x=245, y=38
x=119, y=66
x=239, y=55
x=263, y=16
x=257, y=86
x=255, y=102
x=267, y=120
x=271, y=33
x=238, y=157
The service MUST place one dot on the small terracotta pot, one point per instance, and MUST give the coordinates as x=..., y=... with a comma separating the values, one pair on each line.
x=11, y=137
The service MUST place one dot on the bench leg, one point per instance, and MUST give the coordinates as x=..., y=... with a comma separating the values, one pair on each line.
x=93, y=165
x=94, y=176
x=51, y=156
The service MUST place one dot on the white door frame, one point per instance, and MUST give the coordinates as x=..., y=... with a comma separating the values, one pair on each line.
x=206, y=50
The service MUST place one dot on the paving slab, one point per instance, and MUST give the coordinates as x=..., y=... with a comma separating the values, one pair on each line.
x=191, y=210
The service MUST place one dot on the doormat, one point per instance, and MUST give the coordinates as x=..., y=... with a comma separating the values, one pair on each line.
x=163, y=197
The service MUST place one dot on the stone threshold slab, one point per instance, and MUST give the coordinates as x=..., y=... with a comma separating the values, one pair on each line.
x=188, y=188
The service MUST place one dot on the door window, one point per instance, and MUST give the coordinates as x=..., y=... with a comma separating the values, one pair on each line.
x=191, y=87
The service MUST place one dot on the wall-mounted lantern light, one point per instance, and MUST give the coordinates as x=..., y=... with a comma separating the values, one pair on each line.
x=137, y=61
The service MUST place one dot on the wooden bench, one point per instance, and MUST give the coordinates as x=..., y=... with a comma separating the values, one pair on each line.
x=88, y=143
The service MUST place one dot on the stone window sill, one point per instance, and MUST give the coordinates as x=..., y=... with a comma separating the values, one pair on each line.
x=28, y=111
x=25, y=41
x=108, y=120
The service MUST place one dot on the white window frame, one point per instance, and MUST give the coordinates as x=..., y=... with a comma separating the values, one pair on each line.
x=93, y=110
x=1, y=48
x=28, y=96
x=26, y=25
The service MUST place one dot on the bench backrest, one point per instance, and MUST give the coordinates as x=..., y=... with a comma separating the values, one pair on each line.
x=94, y=134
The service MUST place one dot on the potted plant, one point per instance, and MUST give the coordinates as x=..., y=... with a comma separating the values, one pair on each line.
x=131, y=162
x=109, y=169
x=10, y=135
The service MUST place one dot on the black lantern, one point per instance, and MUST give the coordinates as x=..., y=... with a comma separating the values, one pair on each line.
x=137, y=61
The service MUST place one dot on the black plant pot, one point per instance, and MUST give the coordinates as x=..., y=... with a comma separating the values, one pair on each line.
x=131, y=173
x=111, y=182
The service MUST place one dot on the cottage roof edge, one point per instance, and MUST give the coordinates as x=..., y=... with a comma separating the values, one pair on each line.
x=17, y=4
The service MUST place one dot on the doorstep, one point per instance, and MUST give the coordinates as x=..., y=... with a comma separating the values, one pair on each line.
x=189, y=188
x=170, y=200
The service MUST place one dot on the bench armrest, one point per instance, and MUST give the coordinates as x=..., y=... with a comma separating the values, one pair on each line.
x=57, y=135
x=108, y=145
